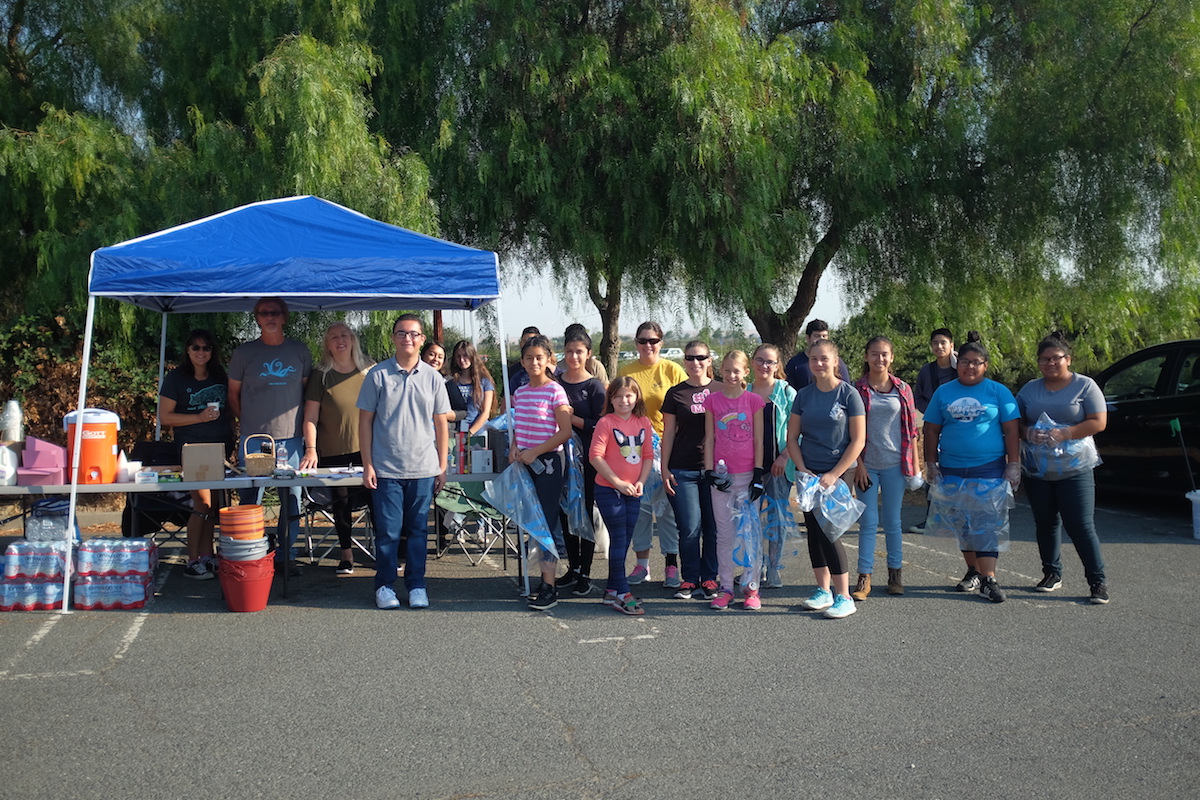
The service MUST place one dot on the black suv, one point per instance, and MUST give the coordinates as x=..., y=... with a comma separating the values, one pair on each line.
x=1144, y=392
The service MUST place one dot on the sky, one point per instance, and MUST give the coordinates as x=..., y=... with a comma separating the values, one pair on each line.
x=539, y=301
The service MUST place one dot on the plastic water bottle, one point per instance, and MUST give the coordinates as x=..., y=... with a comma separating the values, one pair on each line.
x=281, y=456
x=722, y=470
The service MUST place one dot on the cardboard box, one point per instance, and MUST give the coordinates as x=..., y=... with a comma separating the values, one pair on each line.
x=39, y=454
x=203, y=462
x=41, y=476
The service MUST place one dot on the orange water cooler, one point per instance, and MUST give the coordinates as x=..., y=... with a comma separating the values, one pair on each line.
x=98, y=451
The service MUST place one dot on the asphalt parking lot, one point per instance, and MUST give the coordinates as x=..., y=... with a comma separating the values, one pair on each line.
x=930, y=695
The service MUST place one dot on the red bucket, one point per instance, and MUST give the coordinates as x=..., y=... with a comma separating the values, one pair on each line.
x=247, y=584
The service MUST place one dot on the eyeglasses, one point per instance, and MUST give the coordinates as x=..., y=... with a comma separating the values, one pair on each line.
x=200, y=348
x=695, y=357
x=648, y=340
x=762, y=362
x=1048, y=360
x=275, y=313
x=411, y=335
x=973, y=363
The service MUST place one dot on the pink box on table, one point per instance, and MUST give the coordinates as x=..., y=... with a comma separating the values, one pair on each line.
x=41, y=476
x=40, y=454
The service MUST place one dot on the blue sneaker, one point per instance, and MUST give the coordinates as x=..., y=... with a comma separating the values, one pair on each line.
x=842, y=607
x=417, y=598
x=821, y=599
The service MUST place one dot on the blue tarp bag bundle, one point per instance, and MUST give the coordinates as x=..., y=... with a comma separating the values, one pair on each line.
x=1042, y=457
x=574, y=503
x=779, y=523
x=972, y=510
x=652, y=491
x=513, y=495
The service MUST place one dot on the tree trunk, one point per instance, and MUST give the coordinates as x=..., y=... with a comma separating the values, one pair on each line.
x=608, y=302
x=783, y=329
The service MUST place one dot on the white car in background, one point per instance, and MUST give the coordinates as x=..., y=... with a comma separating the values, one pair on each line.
x=673, y=352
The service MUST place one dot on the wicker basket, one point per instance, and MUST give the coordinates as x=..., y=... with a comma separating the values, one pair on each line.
x=259, y=465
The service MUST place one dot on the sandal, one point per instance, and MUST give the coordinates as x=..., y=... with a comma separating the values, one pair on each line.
x=629, y=605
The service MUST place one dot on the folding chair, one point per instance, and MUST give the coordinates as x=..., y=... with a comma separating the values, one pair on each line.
x=460, y=506
x=147, y=514
x=318, y=502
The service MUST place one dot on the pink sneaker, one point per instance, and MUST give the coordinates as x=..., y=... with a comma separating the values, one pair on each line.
x=721, y=601
x=638, y=575
x=751, y=600
x=671, y=578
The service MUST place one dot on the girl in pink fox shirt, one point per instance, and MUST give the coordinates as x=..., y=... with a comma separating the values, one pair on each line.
x=622, y=453
x=733, y=434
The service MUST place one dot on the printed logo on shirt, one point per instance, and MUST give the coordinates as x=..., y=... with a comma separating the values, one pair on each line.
x=737, y=425
x=965, y=409
x=275, y=369
x=837, y=412
x=698, y=400
x=630, y=447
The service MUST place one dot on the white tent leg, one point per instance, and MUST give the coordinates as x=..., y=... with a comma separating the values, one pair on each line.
x=76, y=453
x=162, y=360
x=508, y=406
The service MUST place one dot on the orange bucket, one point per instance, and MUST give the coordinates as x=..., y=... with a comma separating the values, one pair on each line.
x=242, y=522
x=247, y=584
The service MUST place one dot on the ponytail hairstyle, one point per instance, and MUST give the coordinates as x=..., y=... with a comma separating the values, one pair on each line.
x=881, y=340
x=1056, y=340
x=974, y=344
x=700, y=343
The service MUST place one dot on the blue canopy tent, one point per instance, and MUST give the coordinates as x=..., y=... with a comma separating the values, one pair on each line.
x=315, y=254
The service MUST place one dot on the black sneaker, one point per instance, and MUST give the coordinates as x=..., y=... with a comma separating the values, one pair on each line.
x=568, y=578
x=1049, y=582
x=547, y=597
x=969, y=583
x=991, y=590
x=198, y=571
x=1099, y=593
x=345, y=568
x=582, y=587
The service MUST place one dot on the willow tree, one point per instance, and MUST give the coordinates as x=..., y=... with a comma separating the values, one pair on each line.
x=969, y=142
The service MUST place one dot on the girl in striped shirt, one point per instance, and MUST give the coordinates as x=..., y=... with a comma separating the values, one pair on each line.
x=541, y=425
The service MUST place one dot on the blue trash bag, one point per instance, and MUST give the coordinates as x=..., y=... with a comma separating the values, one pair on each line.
x=748, y=536
x=972, y=510
x=574, y=503
x=780, y=529
x=513, y=495
x=836, y=509
x=1053, y=461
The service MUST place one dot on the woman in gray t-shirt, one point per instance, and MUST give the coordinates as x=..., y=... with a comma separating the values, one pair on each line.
x=1077, y=405
x=829, y=413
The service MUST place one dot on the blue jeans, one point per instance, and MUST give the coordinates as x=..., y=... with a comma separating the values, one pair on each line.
x=295, y=449
x=620, y=513
x=692, y=504
x=1074, y=500
x=888, y=484
x=401, y=508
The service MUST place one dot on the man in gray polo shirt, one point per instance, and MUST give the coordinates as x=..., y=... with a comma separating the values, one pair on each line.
x=404, y=437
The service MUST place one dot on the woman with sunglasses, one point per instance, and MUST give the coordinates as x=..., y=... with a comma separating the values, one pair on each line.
x=971, y=431
x=1075, y=403
x=194, y=403
x=655, y=376
x=769, y=384
x=683, y=473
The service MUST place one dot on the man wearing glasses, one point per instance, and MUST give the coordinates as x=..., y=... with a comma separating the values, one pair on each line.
x=404, y=437
x=266, y=393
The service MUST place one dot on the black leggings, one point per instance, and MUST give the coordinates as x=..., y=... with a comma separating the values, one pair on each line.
x=342, y=507
x=823, y=552
x=580, y=551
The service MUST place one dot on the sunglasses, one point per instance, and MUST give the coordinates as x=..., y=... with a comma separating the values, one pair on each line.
x=648, y=340
x=200, y=348
x=694, y=357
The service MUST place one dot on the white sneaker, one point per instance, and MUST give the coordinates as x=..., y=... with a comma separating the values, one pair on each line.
x=385, y=598
x=418, y=598
x=774, y=579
